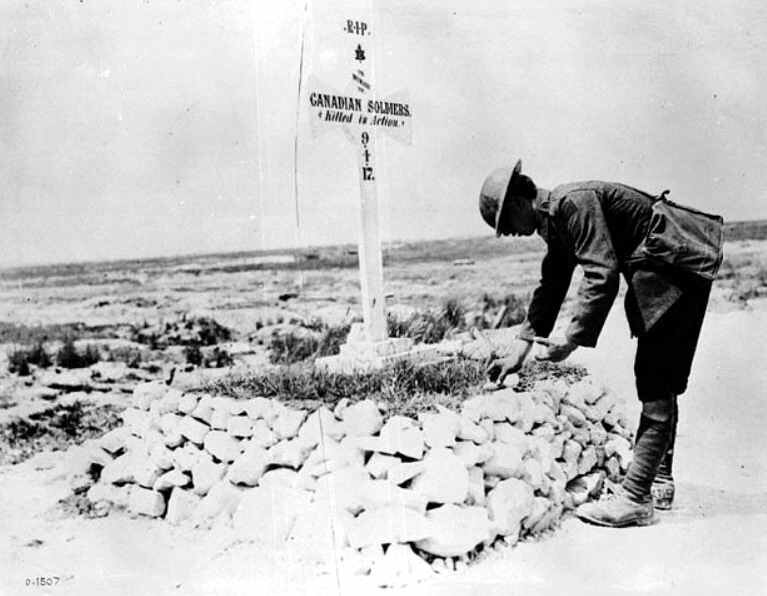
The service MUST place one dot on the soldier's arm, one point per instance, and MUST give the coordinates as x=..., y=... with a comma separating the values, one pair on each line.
x=556, y=273
x=593, y=250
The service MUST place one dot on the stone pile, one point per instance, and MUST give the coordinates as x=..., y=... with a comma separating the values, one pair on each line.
x=385, y=495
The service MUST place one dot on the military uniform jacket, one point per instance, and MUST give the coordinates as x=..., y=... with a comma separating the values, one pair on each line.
x=597, y=225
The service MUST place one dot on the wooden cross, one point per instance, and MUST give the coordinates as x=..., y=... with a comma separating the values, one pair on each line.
x=361, y=113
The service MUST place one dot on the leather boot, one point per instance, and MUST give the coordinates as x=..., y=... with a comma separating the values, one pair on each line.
x=617, y=510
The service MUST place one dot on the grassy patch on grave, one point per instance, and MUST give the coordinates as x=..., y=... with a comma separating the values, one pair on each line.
x=404, y=388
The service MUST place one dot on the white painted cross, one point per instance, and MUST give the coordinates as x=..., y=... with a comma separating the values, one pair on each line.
x=360, y=113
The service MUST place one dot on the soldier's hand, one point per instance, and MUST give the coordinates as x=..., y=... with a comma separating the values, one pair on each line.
x=500, y=368
x=557, y=349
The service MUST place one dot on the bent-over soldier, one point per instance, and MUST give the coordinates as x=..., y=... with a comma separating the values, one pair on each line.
x=600, y=226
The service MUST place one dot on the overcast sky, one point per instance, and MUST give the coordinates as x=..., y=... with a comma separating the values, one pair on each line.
x=132, y=129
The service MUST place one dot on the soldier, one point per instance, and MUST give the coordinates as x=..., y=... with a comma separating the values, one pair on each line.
x=601, y=227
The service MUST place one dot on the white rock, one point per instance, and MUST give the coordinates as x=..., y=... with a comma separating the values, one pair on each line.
x=186, y=404
x=585, y=391
x=260, y=408
x=583, y=487
x=238, y=407
x=263, y=435
x=117, y=495
x=476, y=486
x=169, y=402
x=539, y=509
x=173, y=478
x=400, y=435
x=288, y=453
x=320, y=423
x=444, y=478
x=400, y=566
x=502, y=405
x=219, y=503
x=473, y=409
x=280, y=477
x=543, y=451
x=455, y=530
x=558, y=446
x=222, y=403
x=194, y=430
x=403, y=471
x=440, y=430
x=619, y=446
x=347, y=488
x=318, y=534
x=597, y=435
x=469, y=431
x=379, y=464
x=174, y=440
x=114, y=441
x=362, y=419
x=508, y=504
x=145, y=393
x=574, y=415
x=136, y=421
x=144, y=501
x=507, y=433
x=545, y=431
x=146, y=475
x=186, y=456
x=587, y=460
x=288, y=422
x=331, y=455
x=205, y=474
x=505, y=462
x=572, y=452
x=181, y=506
x=222, y=446
x=527, y=412
x=387, y=525
x=204, y=411
x=267, y=514
x=571, y=469
x=169, y=423
x=472, y=454
x=382, y=493
x=219, y=419
x=543, y=414
x=533, y=474
x=120, y=471
x=249, y=466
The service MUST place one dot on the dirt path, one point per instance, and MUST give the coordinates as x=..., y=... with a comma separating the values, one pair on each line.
x=715, y=542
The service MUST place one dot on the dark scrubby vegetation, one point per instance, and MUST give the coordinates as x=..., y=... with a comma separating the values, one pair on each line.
x=55, y=428
x=68, y=356
x=20, y=359
x=213, y=358
x=187, y=331
x=16, y=333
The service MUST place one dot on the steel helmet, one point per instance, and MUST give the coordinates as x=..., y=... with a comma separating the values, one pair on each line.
x=494, y=196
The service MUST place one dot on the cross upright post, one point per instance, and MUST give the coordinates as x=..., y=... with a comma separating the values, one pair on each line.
x=360, y=111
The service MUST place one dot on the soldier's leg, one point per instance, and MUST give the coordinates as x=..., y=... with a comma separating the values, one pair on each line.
x=653, y=439
x=663, y=488
x=665, y=470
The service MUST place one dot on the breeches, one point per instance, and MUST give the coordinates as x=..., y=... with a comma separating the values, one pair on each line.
x=665, y=352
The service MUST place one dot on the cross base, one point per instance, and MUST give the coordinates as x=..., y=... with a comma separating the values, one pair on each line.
x=363, y=356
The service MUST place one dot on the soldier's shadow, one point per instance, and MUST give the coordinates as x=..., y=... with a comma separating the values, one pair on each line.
x=695, y=502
